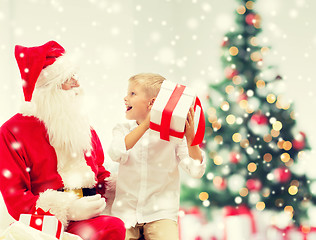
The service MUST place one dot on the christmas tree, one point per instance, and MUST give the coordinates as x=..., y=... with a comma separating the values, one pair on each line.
x=252, y=141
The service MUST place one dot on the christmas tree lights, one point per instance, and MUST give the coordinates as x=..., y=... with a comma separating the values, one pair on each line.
x=252, y=141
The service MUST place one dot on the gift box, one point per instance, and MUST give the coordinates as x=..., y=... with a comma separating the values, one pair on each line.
x=281, y=225
x=20, y=231
x=263, y=222
x=239, y=223
x=170, y=110
x=190, y=222
x=277, y=233
x=302, y=233
x=45, y=222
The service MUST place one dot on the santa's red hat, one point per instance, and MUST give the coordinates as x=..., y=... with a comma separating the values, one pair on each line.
x=42, y=65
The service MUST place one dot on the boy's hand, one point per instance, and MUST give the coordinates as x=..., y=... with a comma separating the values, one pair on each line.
x=194, y=151
x=189, y=126
x=132, y=138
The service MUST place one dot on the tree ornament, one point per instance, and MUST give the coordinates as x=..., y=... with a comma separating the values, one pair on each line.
x=220, y=183
x=298, y=142
x=225, y=42
x=254, y=185
x=235, y=157
x=282, y=174
x=230, y=73
x=241, y=97
x=259, y=119
x=250, y=18
x=259, y=124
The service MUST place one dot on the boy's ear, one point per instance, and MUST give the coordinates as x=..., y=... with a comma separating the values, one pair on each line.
x=151, y=102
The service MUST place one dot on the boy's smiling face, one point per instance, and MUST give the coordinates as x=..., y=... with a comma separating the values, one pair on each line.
x=137, y=103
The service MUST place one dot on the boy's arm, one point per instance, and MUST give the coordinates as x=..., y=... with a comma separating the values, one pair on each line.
x=194, y=151
x=191, y=158
x=132, y=138
x=193, y=167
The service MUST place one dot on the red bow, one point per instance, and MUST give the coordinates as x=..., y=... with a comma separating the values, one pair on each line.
x=40, y=211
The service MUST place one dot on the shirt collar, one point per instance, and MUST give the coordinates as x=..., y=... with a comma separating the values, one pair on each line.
x=133, y=124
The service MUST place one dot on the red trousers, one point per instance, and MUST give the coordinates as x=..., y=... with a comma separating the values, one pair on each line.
x=98, y=228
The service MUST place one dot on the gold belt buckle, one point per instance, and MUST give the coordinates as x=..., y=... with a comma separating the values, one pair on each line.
x=78, y=192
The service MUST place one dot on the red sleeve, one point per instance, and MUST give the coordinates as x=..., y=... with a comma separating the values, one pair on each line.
x=102, y=173
x=15, y=181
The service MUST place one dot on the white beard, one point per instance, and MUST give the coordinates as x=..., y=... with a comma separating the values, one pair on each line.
x=69, y=133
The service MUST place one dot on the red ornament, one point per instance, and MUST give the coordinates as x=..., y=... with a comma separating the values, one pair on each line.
x=230, y=73
x=242, y=97
x=235, y=157
x=250, y=18
x=225, y=42
x=282, y=174
x=259, y=119
x=220, y=183
x=299, y=142
x=254, y=185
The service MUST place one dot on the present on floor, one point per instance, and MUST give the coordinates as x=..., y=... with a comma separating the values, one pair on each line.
x=302, y=233
x=43, y=221
x=190, y=222
x=239, y=223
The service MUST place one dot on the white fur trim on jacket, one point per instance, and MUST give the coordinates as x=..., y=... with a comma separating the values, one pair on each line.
x=57, y=203
x=110, y=183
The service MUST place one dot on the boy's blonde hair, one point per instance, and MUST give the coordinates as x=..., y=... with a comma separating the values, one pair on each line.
x=150, y=82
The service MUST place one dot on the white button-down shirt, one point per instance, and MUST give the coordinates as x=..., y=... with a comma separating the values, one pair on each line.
x=148, y=183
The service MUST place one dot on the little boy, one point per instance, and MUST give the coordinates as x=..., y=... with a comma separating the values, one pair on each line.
x=148, y=184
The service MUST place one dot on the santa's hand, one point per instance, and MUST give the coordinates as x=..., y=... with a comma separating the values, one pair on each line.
x=86, y=208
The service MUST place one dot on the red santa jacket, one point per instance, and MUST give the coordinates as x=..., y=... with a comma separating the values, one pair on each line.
x=28, y=164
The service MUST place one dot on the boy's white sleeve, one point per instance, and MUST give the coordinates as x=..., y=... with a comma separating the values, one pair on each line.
x=117, y=150
x=192, y=166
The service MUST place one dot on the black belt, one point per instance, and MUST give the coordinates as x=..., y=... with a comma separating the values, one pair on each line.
x=81, y=192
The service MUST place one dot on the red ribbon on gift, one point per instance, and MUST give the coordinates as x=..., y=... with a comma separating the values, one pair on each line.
x=168, y=110
x=305, y=233
x=164, y=128
x=199, y=135
x=240, y=210
x=37, y=221
x=40, y=211
x=284, y=231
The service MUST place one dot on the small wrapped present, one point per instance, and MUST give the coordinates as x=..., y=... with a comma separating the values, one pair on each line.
x=190, y=222
x=43, y=221
x=20, y=231
x=277, y=233
x=170, y=110
x=239, y=223
x=281, y=225
x=302, y=233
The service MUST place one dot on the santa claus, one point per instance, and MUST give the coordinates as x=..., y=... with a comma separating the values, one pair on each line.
x=50, y=157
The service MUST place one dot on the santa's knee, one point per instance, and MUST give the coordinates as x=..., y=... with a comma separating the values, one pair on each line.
x=114, y=229
x=117, y=225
